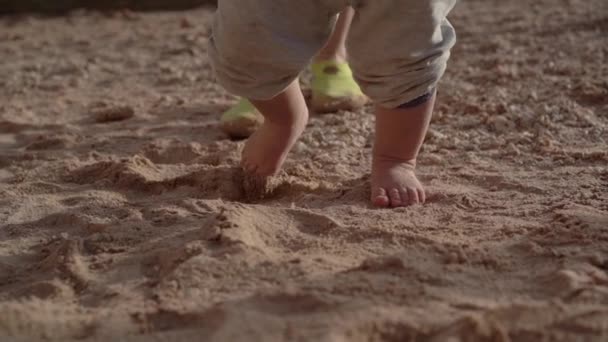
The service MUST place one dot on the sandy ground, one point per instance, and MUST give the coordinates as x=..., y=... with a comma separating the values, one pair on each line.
x=120, y=214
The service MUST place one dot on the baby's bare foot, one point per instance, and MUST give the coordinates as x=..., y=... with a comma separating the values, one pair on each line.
x=394, y=183
x=266, y=150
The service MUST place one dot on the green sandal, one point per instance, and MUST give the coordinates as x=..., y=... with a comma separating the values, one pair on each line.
x=334, y=88
x=241, y=120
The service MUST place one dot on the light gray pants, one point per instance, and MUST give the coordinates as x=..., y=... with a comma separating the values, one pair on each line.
x=398, y=49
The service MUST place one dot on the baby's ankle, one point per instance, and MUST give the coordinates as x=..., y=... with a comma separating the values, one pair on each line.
x=379, y=158
x=338, y=57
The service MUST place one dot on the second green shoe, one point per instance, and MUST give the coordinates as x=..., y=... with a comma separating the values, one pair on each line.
x=241, y=120
x=334, y=88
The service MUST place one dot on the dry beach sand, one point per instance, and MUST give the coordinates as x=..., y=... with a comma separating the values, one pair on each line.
x=121, y=214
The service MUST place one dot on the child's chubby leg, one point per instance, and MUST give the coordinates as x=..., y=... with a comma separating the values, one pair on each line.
x=257, y=49
x=285, y=117
x=399, y=135
x=398, y=51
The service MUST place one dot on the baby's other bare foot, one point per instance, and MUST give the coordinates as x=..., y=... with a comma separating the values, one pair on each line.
x=266, y=150
x=394, y=183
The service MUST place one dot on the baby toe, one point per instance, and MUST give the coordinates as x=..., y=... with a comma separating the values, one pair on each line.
x=380, y=198
x=405, y=197
x=413, y=196
x=421, y=196
x=395, y=197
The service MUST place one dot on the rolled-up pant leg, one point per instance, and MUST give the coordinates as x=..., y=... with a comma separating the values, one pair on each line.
x=398, y=49
x=258, y=47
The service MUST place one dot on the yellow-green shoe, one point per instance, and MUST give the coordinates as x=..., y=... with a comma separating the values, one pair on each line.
x=241, y=120
x=334, y=88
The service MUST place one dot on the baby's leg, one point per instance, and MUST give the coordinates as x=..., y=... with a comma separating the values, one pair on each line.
x=335, y=46
x=258, y=48
x=285, y=117
x=398, y=51
x=399, y=135
x=333, y=86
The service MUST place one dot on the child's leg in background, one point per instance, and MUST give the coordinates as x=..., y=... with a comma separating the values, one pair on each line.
x=330, y=90
x=335, y=47
x=333, y=85
x=398, y=51
x=258, y=49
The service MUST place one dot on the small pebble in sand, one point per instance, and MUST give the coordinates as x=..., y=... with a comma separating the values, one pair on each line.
x=501, y=124
x=112, y=113
x=434, y=159
x=301, y=147
x=185, y=23
x=596, y=259
x=513, y=150
x=434, y=135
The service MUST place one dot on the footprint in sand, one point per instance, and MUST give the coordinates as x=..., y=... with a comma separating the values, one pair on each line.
x=104, y=113
x=270, y=231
